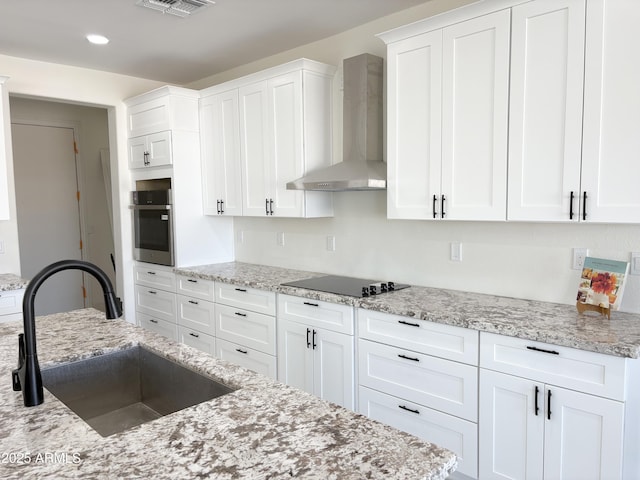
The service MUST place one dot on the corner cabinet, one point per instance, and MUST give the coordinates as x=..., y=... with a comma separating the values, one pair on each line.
x=447, y=97
x=264, y=130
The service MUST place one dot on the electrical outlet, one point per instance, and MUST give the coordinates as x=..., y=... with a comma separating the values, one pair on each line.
x=1, y=247
x=456, y=252
x=579, y=254
x=634, y=268
x=281, y=239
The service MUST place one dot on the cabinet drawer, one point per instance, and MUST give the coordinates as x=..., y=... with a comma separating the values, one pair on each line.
x=193, y=338
x=259, y=301
x=157, y=303
x=152, y=276
x=11, y=301
x=195, y=287
x=447, y=386
x=247, y=357
x=196, y=314
x=158, y=325
x=315, y=313
x=250, y=329
x=459, y=436
x=446, y=341
x=589, y=372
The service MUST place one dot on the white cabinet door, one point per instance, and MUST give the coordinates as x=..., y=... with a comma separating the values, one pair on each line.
x=333, y=367
x=295, y=356
x=612, y=112
x=150, y=150
x=545, y=121
x=254, y=149
x=220, y=149
x=511, y=429
x=475, y=96
x=286, y=159
x=583, y=436
x=414, y=76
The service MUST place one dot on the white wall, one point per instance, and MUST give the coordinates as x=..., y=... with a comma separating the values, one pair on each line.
x=93, y=88
x=524, y=260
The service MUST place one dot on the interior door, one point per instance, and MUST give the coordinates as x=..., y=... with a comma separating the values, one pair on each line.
x=48, y=212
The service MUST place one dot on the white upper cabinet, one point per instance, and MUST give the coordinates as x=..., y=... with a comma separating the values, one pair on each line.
x=284, y=131
x=447, y=94
x=150, y=150
x=545, y=121
x=5, y=150
x=220, y=149
x=612, y=112
x=165, y=108
x=475, y=102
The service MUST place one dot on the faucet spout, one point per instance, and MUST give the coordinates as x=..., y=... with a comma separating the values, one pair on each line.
x=27, y=376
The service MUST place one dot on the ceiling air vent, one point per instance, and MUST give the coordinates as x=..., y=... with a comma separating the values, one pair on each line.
x=180, y=8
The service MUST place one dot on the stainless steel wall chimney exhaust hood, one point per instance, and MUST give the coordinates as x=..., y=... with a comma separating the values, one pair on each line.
x=362, y=167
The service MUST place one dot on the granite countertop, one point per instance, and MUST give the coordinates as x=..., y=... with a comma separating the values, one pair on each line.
x=9, y=281
x=553, y=323
x=264, y=429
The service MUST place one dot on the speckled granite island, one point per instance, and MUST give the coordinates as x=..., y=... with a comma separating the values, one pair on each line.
x=262, y=430
x=9, y=281
x=533, y=320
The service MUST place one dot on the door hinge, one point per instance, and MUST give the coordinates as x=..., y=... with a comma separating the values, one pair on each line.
x=80, y=244
x=78, y=195
x=84, y=292
x=75, y=147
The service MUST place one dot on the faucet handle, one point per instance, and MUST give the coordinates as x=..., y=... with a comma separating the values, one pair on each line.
x=15, y=374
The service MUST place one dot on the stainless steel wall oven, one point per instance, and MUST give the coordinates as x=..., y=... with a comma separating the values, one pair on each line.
x=153, y=226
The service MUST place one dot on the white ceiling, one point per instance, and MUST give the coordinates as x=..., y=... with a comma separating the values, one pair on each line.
x=149, y=44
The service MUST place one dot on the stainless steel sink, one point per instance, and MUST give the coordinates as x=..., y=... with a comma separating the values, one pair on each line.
x=120, y=390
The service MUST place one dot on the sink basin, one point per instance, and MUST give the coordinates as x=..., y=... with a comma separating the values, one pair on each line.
x=120, y=390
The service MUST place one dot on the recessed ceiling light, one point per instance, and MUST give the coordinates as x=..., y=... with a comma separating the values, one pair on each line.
x=97, y=39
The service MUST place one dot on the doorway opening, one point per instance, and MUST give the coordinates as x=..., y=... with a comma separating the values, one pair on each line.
x=62, y=198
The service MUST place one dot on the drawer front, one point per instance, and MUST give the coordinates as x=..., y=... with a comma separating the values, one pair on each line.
x=259, y=301
x=447, y=386
x=453, y=433
x=157, y=303
x=588, y=372
x=11, y=302
x=155, y=277
x=196, y=314
x=247, y=357
x=243, y=327
x=446, y=341
x=193, y=338
x=195, y=287
x=158, y=325
x=315, y=313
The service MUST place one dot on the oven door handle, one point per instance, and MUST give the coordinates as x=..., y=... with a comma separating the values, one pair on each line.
x=150, y=207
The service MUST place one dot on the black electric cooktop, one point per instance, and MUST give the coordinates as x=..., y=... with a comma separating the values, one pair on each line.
x=350, y=286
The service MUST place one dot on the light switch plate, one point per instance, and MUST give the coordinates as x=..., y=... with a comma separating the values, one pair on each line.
x=634, y=268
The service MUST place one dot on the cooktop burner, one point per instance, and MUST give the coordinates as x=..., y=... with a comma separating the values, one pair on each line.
x=350, y=286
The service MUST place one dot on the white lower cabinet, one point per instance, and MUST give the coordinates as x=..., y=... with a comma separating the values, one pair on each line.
x=532, y=428
x=246, y=327
x=453, y=433
x=158, y=325
x=197, y=339
x=247, y=357
x=407, y=379
x=11, y=305
x=311, y=355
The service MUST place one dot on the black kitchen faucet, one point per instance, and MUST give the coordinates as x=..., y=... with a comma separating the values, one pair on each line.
x=27, y=376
